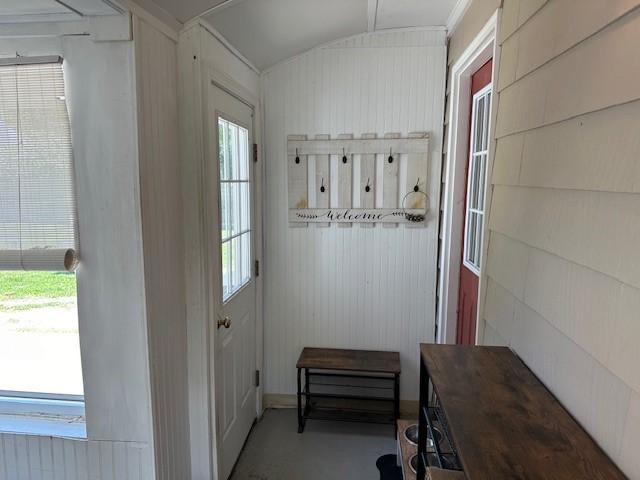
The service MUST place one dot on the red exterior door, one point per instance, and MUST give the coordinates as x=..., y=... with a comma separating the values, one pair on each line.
x=474, y=205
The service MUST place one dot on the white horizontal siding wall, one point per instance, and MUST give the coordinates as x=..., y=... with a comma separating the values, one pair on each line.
x=28, y=457
x=351, y=287
x=563, y=268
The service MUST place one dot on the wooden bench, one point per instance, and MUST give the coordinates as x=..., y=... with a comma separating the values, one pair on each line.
x=372, y=371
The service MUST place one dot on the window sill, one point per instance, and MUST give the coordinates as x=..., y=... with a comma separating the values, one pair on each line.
x=42, y=417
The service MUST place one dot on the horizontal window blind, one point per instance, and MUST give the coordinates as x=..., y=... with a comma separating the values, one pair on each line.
x=38, y=221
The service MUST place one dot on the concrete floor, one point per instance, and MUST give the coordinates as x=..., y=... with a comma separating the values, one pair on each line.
x=326, y=450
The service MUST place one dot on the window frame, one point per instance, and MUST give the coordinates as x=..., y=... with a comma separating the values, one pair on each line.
x=249, y=181
x=474, y=264
x=59, y=410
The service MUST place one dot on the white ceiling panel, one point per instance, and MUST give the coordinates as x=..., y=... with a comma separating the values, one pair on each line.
x=413, y=13
x=268, y=31
x=184, y=10
x=31, y=7
x=13, y=11
x=93, y=7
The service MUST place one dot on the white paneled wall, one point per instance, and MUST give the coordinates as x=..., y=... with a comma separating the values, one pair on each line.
x=163, y=242
x=351, y=287
x=203, y=59
x=28, y=457
x=101, y=90
x=563, y=286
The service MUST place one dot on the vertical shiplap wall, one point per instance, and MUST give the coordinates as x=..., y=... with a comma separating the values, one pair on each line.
x=30, y=457
x=163, y=245
x=202, y=58
x=351, y=287
x=563, y=269
x=101, y=92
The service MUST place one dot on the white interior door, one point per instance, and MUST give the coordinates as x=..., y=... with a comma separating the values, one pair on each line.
x=235, y=298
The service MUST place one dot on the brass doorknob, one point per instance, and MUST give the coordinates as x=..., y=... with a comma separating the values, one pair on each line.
x=224, y=322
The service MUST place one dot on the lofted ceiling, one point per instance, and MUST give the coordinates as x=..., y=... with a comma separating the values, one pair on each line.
x=264, y=31
x=12, y=11
x=268, y=31
x=412, y=13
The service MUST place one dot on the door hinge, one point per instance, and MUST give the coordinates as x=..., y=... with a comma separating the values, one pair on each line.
x=255, y=152
x=257, y=378
x=256, y=268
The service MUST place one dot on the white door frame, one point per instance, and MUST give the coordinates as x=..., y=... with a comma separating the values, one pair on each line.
x=208, y=457
x=226, y=84
x=483, y=47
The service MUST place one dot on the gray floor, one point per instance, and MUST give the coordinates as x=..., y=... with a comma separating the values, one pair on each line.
x=326, y=450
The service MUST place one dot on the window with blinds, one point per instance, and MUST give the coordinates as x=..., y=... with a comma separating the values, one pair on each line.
x=38, y=225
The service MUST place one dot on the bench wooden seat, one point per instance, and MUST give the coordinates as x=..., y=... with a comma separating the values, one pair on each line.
x=353, y=365
x=353, y=360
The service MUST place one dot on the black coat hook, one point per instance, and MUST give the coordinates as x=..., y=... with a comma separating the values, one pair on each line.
x=390, y=159
x=417, y=187
x=322, y=189
x=344, y=157
x=297, y=157
x=367, y=188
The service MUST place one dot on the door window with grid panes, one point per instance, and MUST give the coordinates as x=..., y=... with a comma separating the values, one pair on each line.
x=235, y=207
x=475, y=208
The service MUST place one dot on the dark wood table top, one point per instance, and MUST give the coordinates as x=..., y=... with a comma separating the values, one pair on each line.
x=504, y=422
x=354, y=360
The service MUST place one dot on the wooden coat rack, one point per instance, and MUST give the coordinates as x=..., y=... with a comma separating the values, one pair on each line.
x=368, y=180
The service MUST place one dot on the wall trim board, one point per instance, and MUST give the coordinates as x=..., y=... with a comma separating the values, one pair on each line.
x=483, y=47
x=223, y=41
x=372, y=14
x=105, y=28
x=459, y=9
x=223, y=5
x=155, y=15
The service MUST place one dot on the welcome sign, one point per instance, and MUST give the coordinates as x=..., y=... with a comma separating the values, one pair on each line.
x=368, y=180
x=356, y=215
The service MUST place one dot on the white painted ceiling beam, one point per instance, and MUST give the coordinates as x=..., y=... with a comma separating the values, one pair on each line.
x=372, y=13
x=103, y=28
x=216, y=9
x=34, y=11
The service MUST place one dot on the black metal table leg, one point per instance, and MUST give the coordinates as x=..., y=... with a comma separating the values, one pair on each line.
x=300, y=418
x=422, y=423
x=307, y=391
x=396, y=401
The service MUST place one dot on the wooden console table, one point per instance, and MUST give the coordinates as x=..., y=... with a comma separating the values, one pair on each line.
x=501, y=421
x=377, y=381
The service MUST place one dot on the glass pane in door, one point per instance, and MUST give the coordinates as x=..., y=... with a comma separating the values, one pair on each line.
x=235, y=206
x=476, y=183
